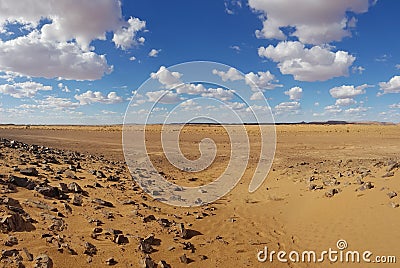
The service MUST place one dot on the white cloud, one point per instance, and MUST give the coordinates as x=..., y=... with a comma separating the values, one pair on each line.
x=236, y=48
x=332, y=109
x=24, y=89
x=124, y=37
x=219, y=93
x=344, y=92
x=51, y=102
x=32, y=56
x=167, y=78
x=257, y=96
x=154, y=52
x=395, y=106
x=308, y=64
x=163, y=96
x=97, y=97
x=295, y=93
x=392, y=86
x=397, y=66
x=313, y=23
x=133, y=58
x=288, y=107
x=61, y=47
x=316, y=104
x=356, y=110
x=358, y=69
x=232, y=74
x=345, y=102
x=261, y=80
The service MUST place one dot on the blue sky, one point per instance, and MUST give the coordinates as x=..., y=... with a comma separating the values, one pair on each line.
x=80, y=62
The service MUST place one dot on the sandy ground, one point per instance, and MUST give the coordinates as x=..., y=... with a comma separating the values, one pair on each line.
x=292, y=211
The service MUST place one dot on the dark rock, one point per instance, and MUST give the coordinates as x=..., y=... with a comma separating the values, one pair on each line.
x=111, y=261
x=73, y=187
x=164, y=222
x=90, y=249
x=29, y=172
x=331, y=192
x=149, y=218
x=184, y=259
x=11, y=241
x=147, y=262
x=392, y=194
x=102, y=202
x=28, y=255
x=9, y=253
x=121, y=239
x=77, y=200
x=388, y=174
x=366, y=186
x=13, y=222
x=48, y=191
x=43, y=261
x=163, y=264
x=392, y=165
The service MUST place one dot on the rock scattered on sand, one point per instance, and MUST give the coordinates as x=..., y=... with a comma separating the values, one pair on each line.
x=90, y=249
x=148, y=262
x=43, y=261
x=391, y=194
x=11, y=241
x=111, y=261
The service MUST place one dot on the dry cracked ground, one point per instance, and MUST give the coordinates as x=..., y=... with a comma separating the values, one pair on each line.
x=68, y=199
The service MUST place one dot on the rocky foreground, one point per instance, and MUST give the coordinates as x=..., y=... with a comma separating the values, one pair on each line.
x=58, y=206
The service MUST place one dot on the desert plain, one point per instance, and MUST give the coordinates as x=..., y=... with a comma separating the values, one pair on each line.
x=67, y=193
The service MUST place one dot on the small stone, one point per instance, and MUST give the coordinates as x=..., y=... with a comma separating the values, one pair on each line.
x=163, y=264
x=77, y=200
x=43, y=261
x=366, y=186
x=203, y=257
x=331, y=192
x=149, y=218
x=392, y=194
x=28, y=255
x=29, y=172
x=147, y=262
x=111, y=261
x=90, y=249
x=73, y=187
x=121, y=239
x=184, y=259
x=101, y=202
x=11, y=241
x=183, y=232
x=388, y=174
x=394, y=205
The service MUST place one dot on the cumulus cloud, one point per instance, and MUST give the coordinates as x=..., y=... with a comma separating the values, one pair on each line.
x=219, y=93
x=58, y=43
x=332, y=109
x=163, y=96
x=392, y=86
x=257, y=96
x=154, y=53
x=313, y=23
x=97, y=97
x=232, y=74
x=308, y=64
x=24, y=89
x=345, y=102
x=295, y=93
x=261, y=80
x=395, y=106
x=345, y=92
x=288, y=107
x=167, y=78
x=124, y=37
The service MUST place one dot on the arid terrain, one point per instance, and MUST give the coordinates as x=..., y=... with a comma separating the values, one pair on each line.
x=67, y=193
